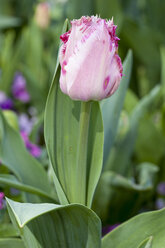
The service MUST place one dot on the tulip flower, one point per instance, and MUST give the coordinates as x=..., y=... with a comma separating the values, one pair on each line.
x=91, y=68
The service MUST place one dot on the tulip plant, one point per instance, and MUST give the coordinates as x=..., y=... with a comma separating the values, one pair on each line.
x=79, y=134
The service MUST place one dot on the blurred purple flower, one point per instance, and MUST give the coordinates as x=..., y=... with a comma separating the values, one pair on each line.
x=19, y=89
x=1, y=199
x=5, y=102
x=14, y=191
x=108, y=228
x=160, y=203
x=25, y=123
x=161, y=188
x=32, y=148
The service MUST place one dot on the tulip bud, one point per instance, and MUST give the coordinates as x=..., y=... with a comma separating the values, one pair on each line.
x=90, y=66
x=42, y=15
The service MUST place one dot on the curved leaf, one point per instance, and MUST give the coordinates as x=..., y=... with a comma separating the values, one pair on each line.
x=15, y=156
x=122, y=196
x=136, y=230
x=11, y=181
x=147, y=243
x=68, y=226
x=125, y=147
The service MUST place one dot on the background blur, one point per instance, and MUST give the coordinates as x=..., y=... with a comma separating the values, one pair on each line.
x=29, y=40
x=140, y=27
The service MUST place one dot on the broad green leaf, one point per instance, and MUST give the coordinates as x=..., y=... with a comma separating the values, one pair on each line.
x=65, y=226
x=112, y=107
x=11, y=243
x=8, y=230
x=11, y=181
x=15, y=156
x=136, y=230
x=63, y=141
x=125, y=148
x=122, y=196
x=147, y=243
x=49, y=130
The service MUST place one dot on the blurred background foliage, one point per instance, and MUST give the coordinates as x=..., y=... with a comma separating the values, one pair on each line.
x=134, y=173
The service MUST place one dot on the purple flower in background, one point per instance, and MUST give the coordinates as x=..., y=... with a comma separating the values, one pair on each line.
x=14, y=191
x=1, y=199
x=19, y=89
x=5, y=102
x=108, y=228
x=160, y=203
x=161, y=188
x=25, y=123
x=32, y=148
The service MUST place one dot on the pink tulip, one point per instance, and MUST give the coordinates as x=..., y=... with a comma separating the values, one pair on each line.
x=90, y=66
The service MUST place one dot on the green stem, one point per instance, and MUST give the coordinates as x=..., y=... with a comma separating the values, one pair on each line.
x=81, y=171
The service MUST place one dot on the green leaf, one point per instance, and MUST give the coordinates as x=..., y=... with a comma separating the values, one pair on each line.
x=15, y=156
x=11, y=243
x=136, y=230
x=7, y=230
x=122, y=196
x=11, y=181
x=125, y=148
x=68, y=226
x=147, y=243
x=49, y=130
x=112, y=107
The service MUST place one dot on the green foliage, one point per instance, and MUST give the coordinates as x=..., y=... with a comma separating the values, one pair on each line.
x=65, y=226
x=11, y=243
x=133, y=232
x=27, y=169
x=134, y=133
x=121, y=196
x=111, y=108
x=75, y=176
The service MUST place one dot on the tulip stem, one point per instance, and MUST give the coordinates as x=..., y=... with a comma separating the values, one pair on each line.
x=82, y=152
